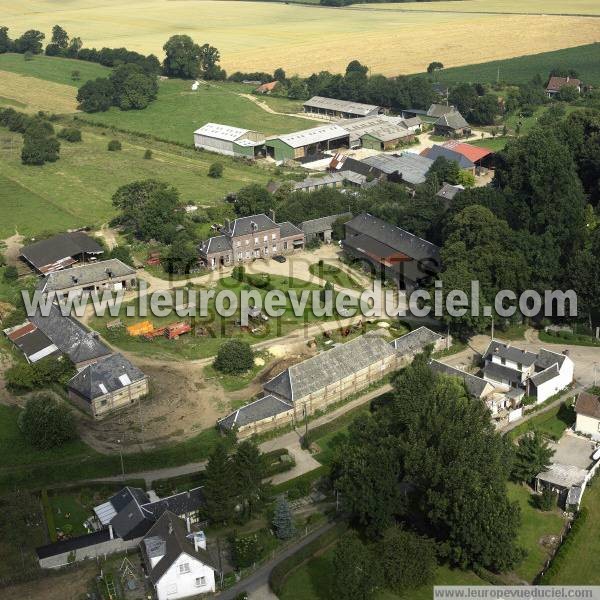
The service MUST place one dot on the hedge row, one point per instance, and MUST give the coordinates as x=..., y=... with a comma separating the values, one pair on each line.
x=332, y=426
x=281, y=571
x=564, y=550
x=48, y=515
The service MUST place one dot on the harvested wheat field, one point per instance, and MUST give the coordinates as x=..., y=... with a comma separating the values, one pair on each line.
x=302, y=39
x=25, y=94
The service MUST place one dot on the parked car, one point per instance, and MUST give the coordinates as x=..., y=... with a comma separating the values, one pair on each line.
x=279, y=258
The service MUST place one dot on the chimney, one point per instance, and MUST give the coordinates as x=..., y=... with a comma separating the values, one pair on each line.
x=566, y=352
x=568, y=78
x=110, y=532
x=187, y=522
x=227, y=224
x=170, y=527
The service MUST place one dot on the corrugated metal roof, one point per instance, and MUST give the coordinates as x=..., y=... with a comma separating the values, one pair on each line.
x=412, y=167
x=313, y=135
x=222, y=132
x=346, y=106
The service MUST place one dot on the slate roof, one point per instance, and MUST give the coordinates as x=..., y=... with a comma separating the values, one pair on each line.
x=172, y=530
x=218, y=243
x=449, y=154
x=416, y=340
x=511, y=353
x=331, y=366
x=588, y=405
x=131, y=513
x=497, y=371
x=30, y=341
x=87, y=274
x=46, y=253
x=546, y=358
x=413, y=168
x=69, y=336
x=287, y=229
x=323, y=224
x=263, y=408
x=438, y=110
x=476, y=386
x=396, y=238
x=356, y=108
x=105, y=377
x=453, y=120
x=249, y=225
x=75, y=543
x=545, y=375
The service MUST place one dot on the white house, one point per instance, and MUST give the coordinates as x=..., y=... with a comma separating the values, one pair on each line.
x=177, y=561
x=587, y=408
x=541, y=375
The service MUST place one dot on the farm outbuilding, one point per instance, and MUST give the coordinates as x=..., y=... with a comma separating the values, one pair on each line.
x=232, y=141
x=307, y=143
x=332, y=108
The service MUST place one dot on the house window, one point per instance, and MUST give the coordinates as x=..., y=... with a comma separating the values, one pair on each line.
x=273, y=236
x=265, y=238
x=256, y=240
x=184, y=568
x=103, y=402
x=285, y=245
x=200, y=581
x=238, y=243
x=247, y=242
x=274, y=247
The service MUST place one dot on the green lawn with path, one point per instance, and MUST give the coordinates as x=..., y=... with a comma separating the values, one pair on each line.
x=551, y=423
x=178, y=112
x=334, y=275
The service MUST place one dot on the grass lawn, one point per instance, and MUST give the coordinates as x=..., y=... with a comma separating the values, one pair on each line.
x=565, y=337
x=535, y=524
x=313, y=581
x=495, y=144
x=552, y=423
x=69, y=514
x=334, y=275
x=178, y=112
x=581, y=562
x=53, y=68
x=216, y=328
x=77, y=189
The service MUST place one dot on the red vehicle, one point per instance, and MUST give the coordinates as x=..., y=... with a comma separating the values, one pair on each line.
x=174, y=330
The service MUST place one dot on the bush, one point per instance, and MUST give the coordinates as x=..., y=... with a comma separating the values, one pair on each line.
x=10, y=273
x=148, y=154
x=245, y=551
x=215, y=170
x=70, y=134
x=238, y=273
x=233, y=357
x=114, y=146
x=546, y=500
x=46, y=422
x=24, y=376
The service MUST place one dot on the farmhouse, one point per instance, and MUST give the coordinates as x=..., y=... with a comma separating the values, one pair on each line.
x=540, y=375
x=408, y=167
x=232, y=141
x=107, y=385
x=248, y=238
x=61, y=251
x=452, y=124
x=432, y=114
x=587, y=409
x=380, y=132
x=176, y=559
x=109, y=275
x=322, y=228
x=405, y=258
x=266, y=88
x=449, y=154
x=327, y=378
x=307, y=143
x=331, y=108
x=55, y=334
x=556, y=83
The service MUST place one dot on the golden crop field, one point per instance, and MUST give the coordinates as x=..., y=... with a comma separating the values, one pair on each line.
x=391, y=39
x=24, y=93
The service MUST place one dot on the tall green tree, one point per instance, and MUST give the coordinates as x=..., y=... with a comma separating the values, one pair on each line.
x=532, y=457
x=356, y=572
x=219, y=492
x=183, y=57
x=248, y=473
x=30, y=41
x=6, y=44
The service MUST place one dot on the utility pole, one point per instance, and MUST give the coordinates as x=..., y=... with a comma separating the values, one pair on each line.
x=492, y=326
x=121, y=455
